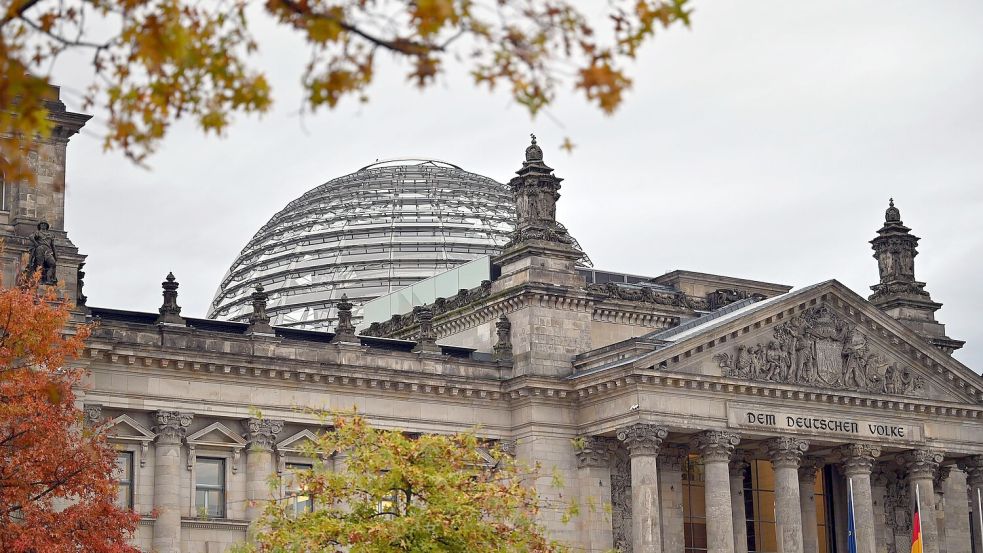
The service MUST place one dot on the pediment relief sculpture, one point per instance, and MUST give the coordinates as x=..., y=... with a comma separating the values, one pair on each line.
x=819, y=348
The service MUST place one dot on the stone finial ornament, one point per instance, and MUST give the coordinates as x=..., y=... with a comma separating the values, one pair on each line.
x=426, y=342
x=170, y=311
x=43, y=254
x=259, y=320
x=80, y=298
x=502, y=351
x=345, y=332
x=535, y=191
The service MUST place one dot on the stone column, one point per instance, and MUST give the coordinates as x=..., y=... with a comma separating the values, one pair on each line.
x=594, y=474
x=858, y=461
x=973, y=467
x=785, y=453
x=643, y=442
x=807, y=500
x=170, y=427
x=671, y=497
x=715, y=449
x=738, y=467
x=922, y=465
x=260, y=438
x=957, y=533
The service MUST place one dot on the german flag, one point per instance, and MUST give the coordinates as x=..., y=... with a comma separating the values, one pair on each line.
x=917, y=543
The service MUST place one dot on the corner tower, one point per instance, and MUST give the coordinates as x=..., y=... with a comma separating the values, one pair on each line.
x=538, y=266
x=898, y=293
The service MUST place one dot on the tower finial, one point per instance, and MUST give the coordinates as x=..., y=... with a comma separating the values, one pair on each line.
x=533, y=137
x=893, y=214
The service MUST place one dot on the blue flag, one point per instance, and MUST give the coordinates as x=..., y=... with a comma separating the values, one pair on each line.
x=851, y=532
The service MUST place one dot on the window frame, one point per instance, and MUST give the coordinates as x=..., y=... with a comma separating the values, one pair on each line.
x=131, y=483
x=222, y=487
x=292, y=491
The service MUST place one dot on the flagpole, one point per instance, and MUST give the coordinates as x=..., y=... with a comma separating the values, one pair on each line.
x=979, y=511
x=853, y=513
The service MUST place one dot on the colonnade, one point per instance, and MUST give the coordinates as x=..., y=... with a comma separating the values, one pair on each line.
x=724, y=466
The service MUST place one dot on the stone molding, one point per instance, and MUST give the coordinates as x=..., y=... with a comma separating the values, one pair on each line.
x=858, y=458
x=786, y=451
x=921, y=463
x=643, y=438
x=716, y=446
x=93, y=414
x=288, y=370
x=593, y=451
x=171, y=426
x=973, y=467
x=261, y=433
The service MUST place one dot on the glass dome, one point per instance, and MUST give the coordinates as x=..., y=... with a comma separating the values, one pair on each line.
x=383, y=227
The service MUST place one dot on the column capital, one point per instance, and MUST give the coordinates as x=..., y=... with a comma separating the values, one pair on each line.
x=171, y=426
x=643, y=439
x=261, y=433
x=921, y=463
x=716, y=446
x=593, y=451
x=671, y=457
x=858, y=458
x=808, y=468
x=973, y=467
x=739, y=463
x=786, y=452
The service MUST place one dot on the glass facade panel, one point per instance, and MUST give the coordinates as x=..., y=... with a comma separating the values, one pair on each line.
x=210, y=487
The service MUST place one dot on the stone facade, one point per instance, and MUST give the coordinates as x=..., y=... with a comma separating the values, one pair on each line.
x=676, y=407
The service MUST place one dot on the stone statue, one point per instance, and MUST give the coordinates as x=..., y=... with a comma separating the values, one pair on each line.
x=43, y=255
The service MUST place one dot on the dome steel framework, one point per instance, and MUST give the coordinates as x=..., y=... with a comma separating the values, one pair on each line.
x=385, y=226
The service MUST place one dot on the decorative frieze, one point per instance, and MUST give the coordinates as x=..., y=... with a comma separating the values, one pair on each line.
x=715, y=446
x=171, y=426
x=642, y=438
x=820, y=349
x=786, y=451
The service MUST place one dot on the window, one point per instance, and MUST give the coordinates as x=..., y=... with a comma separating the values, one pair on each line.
x=298, y=500
x=124, y=479
x=3, y=193
x=210, y=487
x=759, y=506
x=694, y=506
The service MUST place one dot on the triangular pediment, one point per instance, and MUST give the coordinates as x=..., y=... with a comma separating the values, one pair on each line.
x=297, y=442
x=217, y=434
x=124, y=427
x=823, y=337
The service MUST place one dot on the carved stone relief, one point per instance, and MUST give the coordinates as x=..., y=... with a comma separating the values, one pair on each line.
x=621, y=500
x=818, y=348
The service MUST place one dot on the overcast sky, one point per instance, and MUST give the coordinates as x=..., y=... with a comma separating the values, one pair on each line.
x=762, y=143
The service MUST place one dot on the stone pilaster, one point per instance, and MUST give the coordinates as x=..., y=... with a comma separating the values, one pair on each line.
x=973, y=467
x=957, y=529
x=739, y=466
x=643, y=442
x=260, y=435
x=715, y=449
x=785, y=454
x=922, y=465
x=807, y=499
x=671, y=464
x=170, y=427
x=594, y=474
x=858, y=461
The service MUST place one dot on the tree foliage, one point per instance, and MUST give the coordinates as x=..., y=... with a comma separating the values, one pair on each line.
x=397, y=493
x=56, y=488
x=155, y=61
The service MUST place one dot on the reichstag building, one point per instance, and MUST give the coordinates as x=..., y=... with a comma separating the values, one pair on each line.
x=710, y=412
